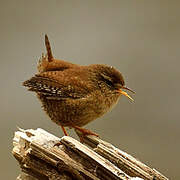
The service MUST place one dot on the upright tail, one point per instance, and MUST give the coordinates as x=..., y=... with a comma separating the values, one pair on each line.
x=48, y=48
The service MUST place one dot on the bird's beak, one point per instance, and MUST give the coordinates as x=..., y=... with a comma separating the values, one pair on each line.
x=126, y=94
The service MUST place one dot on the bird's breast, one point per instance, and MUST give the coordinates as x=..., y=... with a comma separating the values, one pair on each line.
x=80, y=111
x=105, y=102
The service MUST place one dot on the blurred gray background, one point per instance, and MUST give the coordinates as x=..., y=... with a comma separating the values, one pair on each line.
x=140, y=38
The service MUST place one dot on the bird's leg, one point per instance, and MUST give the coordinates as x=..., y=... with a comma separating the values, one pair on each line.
x=64, y=131
x=85, y=132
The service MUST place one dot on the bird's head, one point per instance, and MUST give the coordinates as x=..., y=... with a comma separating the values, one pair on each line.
x=111, y=78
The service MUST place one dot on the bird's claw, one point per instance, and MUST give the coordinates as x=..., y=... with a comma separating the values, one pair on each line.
x=81, y=132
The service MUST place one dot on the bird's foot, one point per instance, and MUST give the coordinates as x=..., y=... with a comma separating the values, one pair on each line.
x=57, y=144
x=65, y=133
x=84, y=132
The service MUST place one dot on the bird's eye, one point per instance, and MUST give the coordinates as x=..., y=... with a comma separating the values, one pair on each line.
x=107, y=80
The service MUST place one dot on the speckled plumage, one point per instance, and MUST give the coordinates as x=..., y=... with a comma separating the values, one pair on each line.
x=73, y=95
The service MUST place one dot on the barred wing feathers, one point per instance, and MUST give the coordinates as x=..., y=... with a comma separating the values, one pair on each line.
x=53, y=88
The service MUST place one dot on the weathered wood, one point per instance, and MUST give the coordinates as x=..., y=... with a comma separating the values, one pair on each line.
x=130, y=165
x=39, y=158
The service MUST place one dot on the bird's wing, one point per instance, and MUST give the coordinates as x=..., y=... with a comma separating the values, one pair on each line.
x=53, y=86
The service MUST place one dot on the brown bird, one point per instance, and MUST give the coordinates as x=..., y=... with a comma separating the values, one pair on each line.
x=74, y=95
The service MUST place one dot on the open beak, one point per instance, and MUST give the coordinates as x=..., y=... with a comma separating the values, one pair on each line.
x=126, y=94
x=124, y=87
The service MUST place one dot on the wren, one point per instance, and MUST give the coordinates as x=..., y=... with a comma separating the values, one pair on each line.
x=74, y=95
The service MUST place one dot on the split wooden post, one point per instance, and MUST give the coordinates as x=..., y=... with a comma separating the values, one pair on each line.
x=41, y=158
